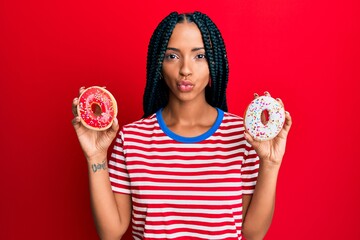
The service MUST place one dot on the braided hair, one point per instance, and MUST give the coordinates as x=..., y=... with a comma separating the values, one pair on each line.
x=156, y=94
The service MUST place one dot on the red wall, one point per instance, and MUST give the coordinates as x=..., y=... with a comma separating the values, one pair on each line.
x=306, y=52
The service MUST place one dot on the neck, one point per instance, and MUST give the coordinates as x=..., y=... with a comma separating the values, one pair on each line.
x=189, y=118
x=187, y=113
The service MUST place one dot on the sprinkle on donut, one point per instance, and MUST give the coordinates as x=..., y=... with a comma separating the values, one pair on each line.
x=253, y=124
x=97, y=108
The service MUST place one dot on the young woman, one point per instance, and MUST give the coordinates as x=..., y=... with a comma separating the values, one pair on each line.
x=187, y=169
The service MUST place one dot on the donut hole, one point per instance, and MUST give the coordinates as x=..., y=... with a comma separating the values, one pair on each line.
x=265, y=116
x=96, y=109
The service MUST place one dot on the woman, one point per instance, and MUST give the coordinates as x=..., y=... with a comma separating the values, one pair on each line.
x=187, y=169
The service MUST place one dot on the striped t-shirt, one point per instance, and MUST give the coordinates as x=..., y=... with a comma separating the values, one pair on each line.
x=184, y=187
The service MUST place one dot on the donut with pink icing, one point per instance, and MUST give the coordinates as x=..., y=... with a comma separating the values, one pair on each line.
x=97, y=108
x=276, y=118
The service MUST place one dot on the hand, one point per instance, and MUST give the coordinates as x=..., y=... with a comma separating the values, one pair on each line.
x=93, y=143
x=272, y=151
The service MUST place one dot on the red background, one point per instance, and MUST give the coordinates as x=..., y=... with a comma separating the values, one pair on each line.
x=306, y=52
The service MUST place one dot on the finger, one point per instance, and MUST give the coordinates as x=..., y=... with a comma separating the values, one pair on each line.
x=256, y=95
x=266, y=93
x=112, y=131
x=249, y=139
x=288, y=121
x=75, y=103
x=115, y=125
x=76, y=122
x=280, y=101
x=81, y=90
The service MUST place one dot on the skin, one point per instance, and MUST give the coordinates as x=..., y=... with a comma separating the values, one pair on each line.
x=258, y=209
x=186, y=72
x=185, y=66
x=111, y=211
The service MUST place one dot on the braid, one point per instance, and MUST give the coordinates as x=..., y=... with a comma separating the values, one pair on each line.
x=217, y=60
x=156, y=93
x=199, y=21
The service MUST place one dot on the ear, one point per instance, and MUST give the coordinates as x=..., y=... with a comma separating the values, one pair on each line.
x=209, y=84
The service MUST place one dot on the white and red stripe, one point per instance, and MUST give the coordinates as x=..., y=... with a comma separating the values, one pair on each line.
x=184, y=190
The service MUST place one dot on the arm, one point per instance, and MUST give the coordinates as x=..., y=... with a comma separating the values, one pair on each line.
x=258, y=209
x=111, y=211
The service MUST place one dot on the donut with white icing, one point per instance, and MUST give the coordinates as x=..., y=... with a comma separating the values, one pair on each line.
x=97, y=108
x=276, y=118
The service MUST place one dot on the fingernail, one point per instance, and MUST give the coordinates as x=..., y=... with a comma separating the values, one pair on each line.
x=256, y=95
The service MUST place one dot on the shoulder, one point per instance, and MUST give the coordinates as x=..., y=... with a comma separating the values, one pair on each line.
x=143, y=123
x=233, y=119
x=232, y=115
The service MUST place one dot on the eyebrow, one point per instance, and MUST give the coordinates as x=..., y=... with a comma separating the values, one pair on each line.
x=178, y=50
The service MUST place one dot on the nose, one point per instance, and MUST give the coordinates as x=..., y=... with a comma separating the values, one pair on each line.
x=185, y=69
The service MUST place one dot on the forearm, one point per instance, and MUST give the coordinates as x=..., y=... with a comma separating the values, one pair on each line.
x=104, y=207
x=260, y=211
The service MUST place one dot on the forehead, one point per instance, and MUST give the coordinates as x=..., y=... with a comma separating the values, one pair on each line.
x=186, y=34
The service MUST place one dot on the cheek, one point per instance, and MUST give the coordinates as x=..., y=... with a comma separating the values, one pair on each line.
x=204, y=72
x=169, y=69
x=203, y=68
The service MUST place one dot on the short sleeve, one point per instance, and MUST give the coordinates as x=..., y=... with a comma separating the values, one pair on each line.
x=119, y=177
x=249, y=170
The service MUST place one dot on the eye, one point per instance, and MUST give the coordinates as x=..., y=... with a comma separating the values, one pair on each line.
x=171, y=56
x=201, y=56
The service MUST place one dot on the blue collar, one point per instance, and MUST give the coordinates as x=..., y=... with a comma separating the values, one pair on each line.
x=196, y=139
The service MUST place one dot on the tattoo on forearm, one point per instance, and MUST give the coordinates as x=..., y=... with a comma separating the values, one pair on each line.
x=99, y=166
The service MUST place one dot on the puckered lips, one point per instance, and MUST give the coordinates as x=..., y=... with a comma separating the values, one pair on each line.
x=185, y=85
